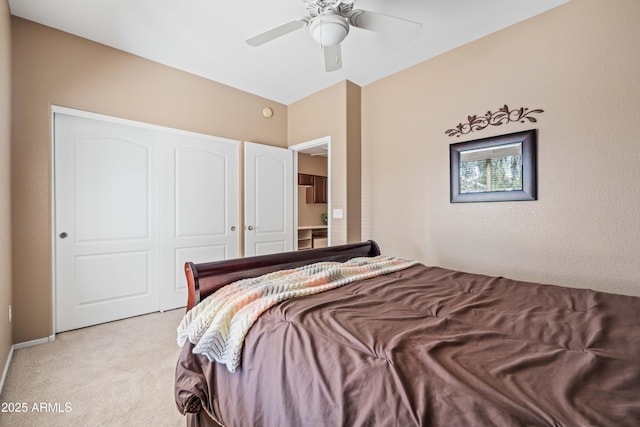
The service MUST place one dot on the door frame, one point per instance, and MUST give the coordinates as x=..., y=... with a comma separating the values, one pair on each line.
x=325, y=140
x=56, y=109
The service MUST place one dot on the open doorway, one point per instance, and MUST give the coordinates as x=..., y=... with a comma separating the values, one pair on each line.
x=312, y=162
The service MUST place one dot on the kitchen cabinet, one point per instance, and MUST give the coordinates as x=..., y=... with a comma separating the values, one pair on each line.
x=316, y=187
x=305, y=179
x=319, y=189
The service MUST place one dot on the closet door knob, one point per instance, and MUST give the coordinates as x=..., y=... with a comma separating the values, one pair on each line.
x=250, y=227
x=63, y=235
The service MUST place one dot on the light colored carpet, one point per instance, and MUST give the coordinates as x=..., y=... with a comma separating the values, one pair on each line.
x=116, y=374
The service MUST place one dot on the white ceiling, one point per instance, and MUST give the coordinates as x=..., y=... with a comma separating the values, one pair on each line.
x=206, y=37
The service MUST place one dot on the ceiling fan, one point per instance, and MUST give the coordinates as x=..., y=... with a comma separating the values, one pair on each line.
x=329, y=22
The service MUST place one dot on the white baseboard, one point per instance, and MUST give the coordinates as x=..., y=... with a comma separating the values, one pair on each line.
x=18, y=346
x=34, y=342
x=6, y=368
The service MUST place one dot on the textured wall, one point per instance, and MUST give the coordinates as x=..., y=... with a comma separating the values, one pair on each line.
x=5, y=181
x=316, y=116
x=335, y=112
x=578, y=62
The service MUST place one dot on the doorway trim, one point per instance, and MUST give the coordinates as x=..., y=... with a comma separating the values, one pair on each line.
x=325, y=140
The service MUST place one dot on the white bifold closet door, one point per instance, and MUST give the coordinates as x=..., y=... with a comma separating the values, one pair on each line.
x=133, y=202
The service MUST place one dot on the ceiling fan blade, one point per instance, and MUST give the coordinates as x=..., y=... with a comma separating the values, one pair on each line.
x=332, y=58
x=276, y=32
x=386, y=24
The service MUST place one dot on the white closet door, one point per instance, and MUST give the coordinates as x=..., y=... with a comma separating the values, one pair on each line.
x=106, y=200
x=200, y=207
x=268, y=199
x=133, y=203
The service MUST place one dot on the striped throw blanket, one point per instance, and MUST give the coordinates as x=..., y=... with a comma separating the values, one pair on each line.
x=217, y=326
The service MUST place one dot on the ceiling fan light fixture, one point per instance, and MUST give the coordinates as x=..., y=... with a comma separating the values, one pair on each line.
x=329, y=29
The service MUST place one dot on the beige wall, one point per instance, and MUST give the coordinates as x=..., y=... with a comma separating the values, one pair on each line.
x=331, y=112
x=354, y=162
x=310, y=213
x=580, y=63
x=313, y=165
x=54, y=68
x=5, y=182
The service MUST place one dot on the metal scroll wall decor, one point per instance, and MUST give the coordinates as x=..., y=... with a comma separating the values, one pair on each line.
x=500, y=117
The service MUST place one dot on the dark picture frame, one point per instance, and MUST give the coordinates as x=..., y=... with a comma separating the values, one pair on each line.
x=524, y=143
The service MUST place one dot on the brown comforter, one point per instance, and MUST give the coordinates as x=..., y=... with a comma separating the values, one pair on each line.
x=429, y=346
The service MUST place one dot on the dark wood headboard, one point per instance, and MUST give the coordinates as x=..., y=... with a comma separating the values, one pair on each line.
x=206, y=278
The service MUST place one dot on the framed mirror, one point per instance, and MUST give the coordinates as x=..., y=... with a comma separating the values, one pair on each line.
x=495, y=169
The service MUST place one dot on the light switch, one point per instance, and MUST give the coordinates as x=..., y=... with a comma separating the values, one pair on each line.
x=337, y=214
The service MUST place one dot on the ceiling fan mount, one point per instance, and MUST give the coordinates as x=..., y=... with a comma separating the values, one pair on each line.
x=318, y=7
x=329, y=22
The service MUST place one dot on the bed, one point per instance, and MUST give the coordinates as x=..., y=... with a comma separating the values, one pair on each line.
x=420, y=346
